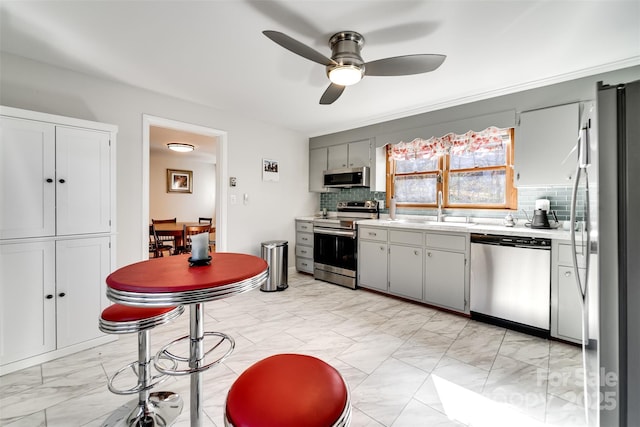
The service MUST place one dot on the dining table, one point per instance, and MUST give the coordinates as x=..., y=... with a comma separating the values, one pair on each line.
x=176, y=229
x=170, y=281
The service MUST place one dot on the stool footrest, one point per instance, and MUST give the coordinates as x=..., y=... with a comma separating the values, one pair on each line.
x=140, y=386
x=224, y=347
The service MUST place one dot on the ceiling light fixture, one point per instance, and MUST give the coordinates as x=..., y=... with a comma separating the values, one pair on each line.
x=180, y=147
x=345, y=75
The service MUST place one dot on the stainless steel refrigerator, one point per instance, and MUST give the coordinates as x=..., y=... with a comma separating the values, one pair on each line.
x=616, y=241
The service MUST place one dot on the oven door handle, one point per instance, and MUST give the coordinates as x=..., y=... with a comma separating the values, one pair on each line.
x=333, y=232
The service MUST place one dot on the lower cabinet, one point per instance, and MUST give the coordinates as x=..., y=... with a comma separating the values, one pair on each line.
x=423, y=266
x=405, y=271
x=304, y=246
x=445, y=279
x=372, y=256
x=566, y=301
x=51, y=295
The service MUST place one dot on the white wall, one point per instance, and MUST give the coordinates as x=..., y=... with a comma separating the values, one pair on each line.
x=183, y=206
x=272, y=206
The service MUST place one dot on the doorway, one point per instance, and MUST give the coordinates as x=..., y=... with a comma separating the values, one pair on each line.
x=149, y=122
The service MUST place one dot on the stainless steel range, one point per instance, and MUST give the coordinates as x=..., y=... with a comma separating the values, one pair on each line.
x=335, y=242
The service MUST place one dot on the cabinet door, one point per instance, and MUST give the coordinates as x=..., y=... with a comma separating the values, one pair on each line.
x=27, y=303
x=82, y=267
x=338, y=156
x=317, y=165
x=82, y=181
x=405, y=271
x=359, y=154
x=543, y=141
x=445, y=279
x=27, y=172
x=569, y=304
x=372, y=265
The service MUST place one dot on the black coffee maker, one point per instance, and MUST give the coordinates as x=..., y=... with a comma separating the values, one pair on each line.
x=540, y=219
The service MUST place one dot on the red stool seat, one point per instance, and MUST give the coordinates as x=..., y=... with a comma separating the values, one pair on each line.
x=288, y=390
x=123, y=313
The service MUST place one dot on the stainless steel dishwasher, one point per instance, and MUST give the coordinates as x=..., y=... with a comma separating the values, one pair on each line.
x=511, y=282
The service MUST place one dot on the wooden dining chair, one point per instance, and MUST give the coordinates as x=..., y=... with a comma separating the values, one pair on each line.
x=212, y=232
x=165, y=240
x=156, y=246
x=190, y=230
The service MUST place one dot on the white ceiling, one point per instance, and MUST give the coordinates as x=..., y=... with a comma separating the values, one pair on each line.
x=212, y=51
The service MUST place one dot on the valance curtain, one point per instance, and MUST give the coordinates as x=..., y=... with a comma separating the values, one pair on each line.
x=490, y=139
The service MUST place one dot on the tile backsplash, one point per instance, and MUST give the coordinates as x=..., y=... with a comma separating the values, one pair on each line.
x=559, y=197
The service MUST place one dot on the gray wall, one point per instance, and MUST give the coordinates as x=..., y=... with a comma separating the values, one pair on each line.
x=272, y=206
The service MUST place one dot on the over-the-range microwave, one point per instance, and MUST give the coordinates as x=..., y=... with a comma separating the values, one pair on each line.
x=347, y=178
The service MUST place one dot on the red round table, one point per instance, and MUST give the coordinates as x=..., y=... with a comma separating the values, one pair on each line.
x=168, y=281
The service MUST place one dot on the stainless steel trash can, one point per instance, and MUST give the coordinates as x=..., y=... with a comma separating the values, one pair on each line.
x=276, y=253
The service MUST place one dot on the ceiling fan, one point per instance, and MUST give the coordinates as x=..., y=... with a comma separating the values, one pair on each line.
x=346, y=66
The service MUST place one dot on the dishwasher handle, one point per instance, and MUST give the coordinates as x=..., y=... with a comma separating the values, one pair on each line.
x=513, y=241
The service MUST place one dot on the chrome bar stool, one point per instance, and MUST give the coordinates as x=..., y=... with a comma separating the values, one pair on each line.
x=157, y=409
x=289, y=390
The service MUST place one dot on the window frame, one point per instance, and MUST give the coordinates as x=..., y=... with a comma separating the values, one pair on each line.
x=444, y=175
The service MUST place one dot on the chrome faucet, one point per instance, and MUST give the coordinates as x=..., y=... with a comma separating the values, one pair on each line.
x=440, y=215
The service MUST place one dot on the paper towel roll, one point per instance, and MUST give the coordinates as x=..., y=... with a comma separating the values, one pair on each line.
x=392, y=208
x=199, y=246
x=543, y=204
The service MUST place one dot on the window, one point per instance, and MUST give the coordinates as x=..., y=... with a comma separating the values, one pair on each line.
x=473, y=170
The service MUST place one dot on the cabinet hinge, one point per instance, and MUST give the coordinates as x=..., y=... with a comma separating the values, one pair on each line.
x=465, y=261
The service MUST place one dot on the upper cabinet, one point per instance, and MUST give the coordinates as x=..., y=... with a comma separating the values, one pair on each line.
x=317, y=165
x=55, y=179
x=544, y=141
x=351, y=155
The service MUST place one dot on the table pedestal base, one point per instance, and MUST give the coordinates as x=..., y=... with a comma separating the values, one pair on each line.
x=161, y=410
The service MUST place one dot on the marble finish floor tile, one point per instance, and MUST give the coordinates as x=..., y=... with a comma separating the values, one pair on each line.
x=405, y=364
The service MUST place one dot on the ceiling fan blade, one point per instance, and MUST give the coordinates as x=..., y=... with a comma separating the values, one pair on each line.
x=332, y=93
x=403, y=65
x=298, y=48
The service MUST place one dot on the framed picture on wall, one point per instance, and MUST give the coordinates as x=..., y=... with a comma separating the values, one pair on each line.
x=179, y=181
x=270, y=170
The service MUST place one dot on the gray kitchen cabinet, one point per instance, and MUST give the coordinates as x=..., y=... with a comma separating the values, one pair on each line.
x=304, y=246
x=372, y=258
x=406, y=263
x=543, y=140
x=566, y=305
x=318, y=163
x=446, y=279
x=405, y=271
x=423, y=266
x=350, y=155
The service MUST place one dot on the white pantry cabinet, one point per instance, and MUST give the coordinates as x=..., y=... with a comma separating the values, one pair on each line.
x=52, y=295
x=57, y=234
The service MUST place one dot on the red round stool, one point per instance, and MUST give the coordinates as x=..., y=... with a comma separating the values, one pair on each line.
x=288, y=390
x=150, y=409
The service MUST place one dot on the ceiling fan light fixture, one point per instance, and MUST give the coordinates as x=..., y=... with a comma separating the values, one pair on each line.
x=180, y=147
x=345, y=75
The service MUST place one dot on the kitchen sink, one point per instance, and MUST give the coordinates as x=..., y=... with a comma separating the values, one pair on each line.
x=450, y=224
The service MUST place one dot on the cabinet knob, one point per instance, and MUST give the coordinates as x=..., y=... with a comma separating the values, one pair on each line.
x=418, y=253
x=304, y=238
x=567, y=274
x=303, y=252
x=61, y=294
x=49, y=296
x=382, y=248
x=428, y=254
x=49, y=180
x=61, y=181
x=372, y=233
